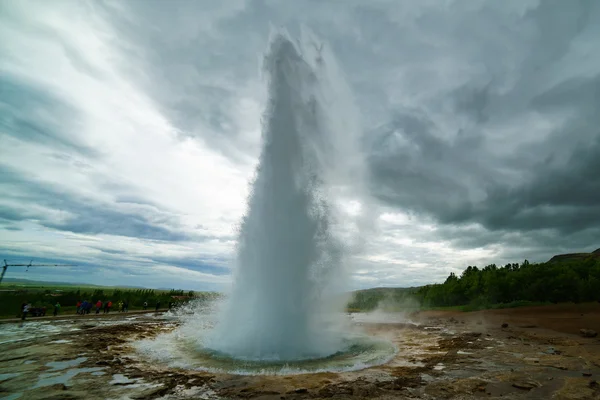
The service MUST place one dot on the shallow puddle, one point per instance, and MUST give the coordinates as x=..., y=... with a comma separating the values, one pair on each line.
x=120, y=379
x=4, y=377
x=54, y=378
x=58, y=365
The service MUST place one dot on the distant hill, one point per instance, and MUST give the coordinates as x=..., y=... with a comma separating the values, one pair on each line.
x=29, y=282
x=33, y=282
x=574, y=256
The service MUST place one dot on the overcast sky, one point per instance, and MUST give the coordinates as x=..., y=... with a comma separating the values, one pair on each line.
x=129, y=132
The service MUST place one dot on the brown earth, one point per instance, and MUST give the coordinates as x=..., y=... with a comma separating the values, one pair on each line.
x=564, y=318
x=539, y=354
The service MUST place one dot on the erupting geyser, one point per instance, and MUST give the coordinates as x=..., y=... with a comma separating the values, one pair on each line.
x=289, y=256
x=283, y=314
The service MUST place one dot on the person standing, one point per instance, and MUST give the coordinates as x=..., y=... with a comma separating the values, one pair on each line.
x=145, y=305
x=157, y=305
x=98, y=306
x=56, y=308
x=25, y=310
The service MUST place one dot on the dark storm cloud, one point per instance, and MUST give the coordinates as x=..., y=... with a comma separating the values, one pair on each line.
x=563, y=191
x=546, y=191
x=567, y=199
x=416, y=169
x=473, y=101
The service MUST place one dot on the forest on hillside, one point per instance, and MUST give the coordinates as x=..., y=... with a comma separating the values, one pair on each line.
x=562, y=279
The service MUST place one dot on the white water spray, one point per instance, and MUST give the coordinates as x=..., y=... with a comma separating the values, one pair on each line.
x=291, y=255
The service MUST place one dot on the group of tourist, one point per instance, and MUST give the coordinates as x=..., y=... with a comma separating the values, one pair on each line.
x=85, y=307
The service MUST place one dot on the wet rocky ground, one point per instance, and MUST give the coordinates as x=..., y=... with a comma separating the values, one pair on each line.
x=440, y=356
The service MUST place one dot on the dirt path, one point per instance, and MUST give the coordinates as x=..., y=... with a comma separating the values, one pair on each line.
x=91, y=315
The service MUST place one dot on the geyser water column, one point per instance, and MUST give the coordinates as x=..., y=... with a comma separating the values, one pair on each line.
x=278, y=318
x=288, y=255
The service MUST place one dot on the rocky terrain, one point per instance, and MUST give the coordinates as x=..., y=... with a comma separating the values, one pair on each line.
x=527, y=353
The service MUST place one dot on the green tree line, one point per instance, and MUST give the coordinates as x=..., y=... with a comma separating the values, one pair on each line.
x=568, y=280
x=564, y=279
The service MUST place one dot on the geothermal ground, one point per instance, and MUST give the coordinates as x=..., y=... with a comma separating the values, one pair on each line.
x=540, y=354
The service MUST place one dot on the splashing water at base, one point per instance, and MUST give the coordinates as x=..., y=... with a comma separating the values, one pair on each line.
x=293, y=241
x=186, y=347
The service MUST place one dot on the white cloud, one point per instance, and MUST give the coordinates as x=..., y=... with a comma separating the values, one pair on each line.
x=129, y=131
